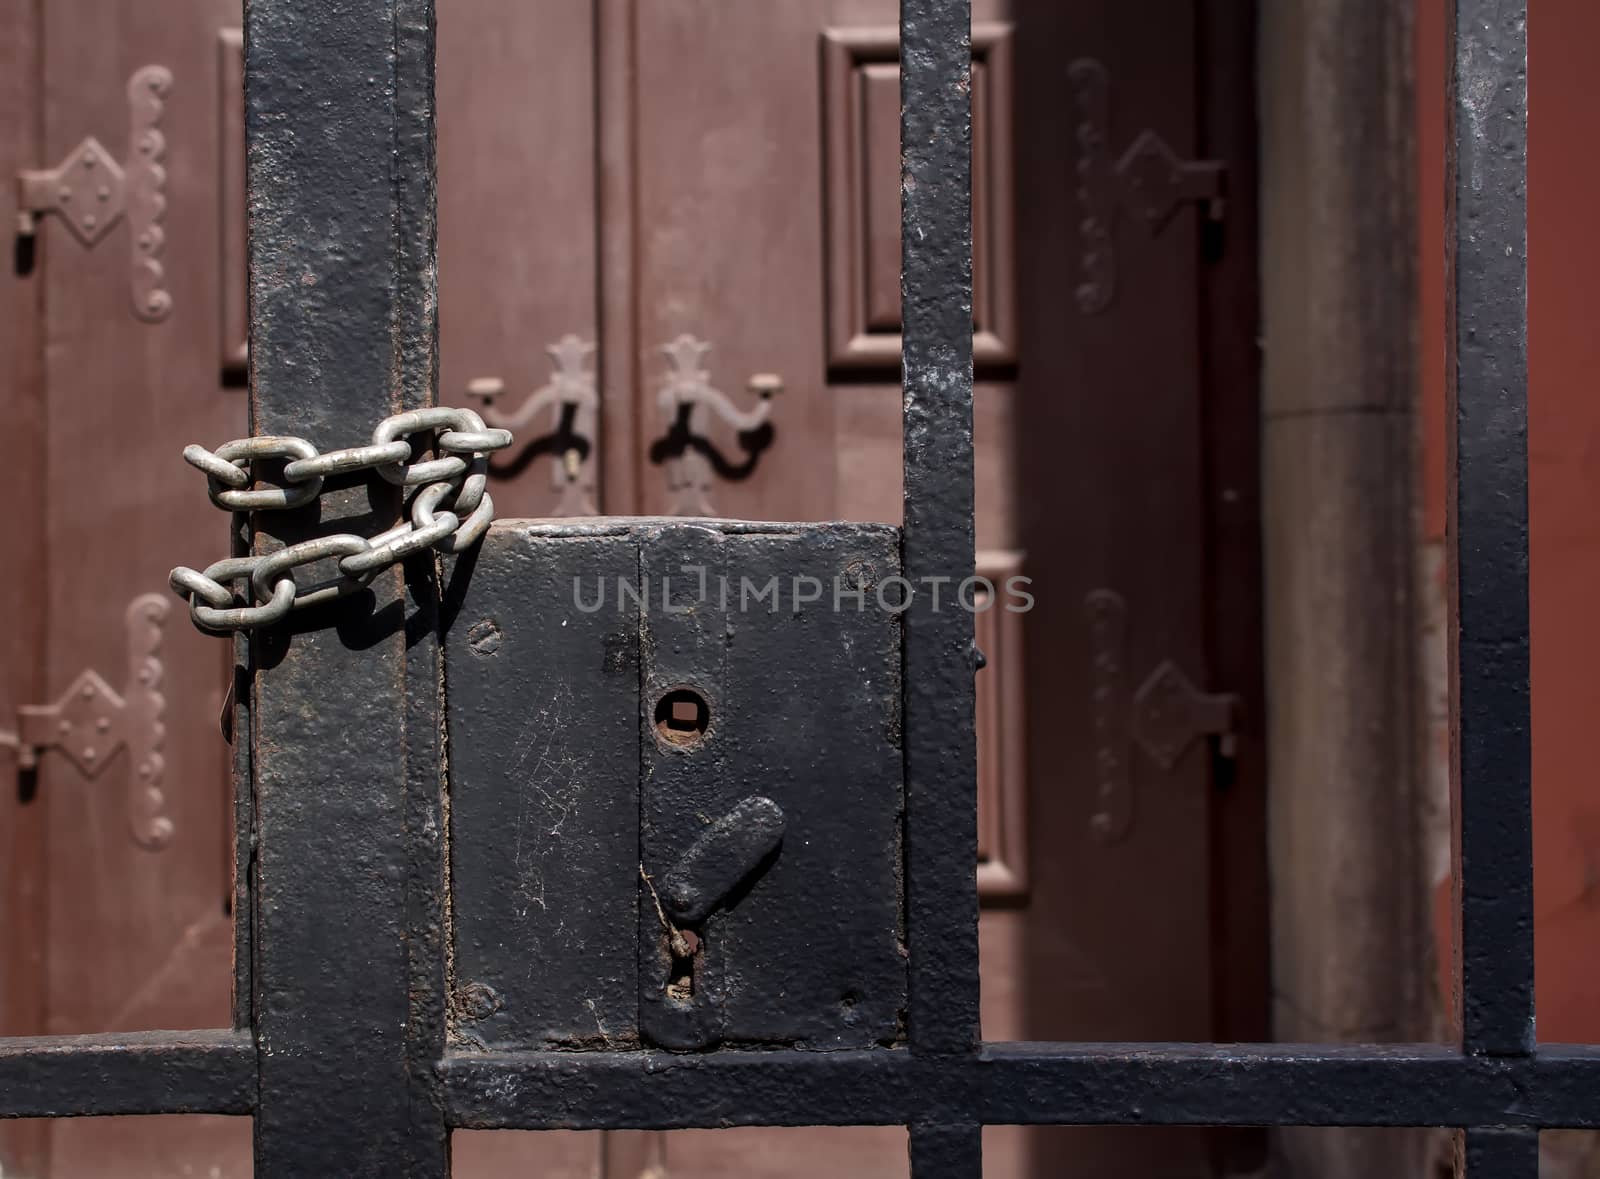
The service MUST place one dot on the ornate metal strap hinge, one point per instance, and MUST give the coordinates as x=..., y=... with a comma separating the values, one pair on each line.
x=1164, y=717
x=1149, y=180
x=1170, y=714
x=573, y=405
x=685, y=397
x=90, y=191
x=91, y=722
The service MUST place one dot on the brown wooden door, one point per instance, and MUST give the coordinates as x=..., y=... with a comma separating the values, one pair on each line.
x=628, y=174
x=116, y=909
x=1136, y=451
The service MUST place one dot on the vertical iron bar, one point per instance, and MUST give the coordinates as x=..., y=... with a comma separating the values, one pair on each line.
x=349, y=864
x=1488, y=526
x=1501, y=1154
x=947, y=1152
x=416, y=383
x=244, y=810
x=936, y=285
x=940, y=762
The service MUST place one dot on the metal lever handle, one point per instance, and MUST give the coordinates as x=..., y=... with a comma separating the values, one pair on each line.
x=573, y=405
x=27, y=756
x=571, y=383
x=689, y=384
x=686, y=393
x=725, y=854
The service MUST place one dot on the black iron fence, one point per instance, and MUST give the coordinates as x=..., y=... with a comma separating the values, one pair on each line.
x=340, y=1049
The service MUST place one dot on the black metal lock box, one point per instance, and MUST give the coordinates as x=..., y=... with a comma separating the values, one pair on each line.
x=676, y=786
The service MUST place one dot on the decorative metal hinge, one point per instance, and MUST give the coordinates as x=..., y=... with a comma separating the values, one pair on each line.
x=1170, y=714
x=91, y=722
x=1164, y=717
x=90, y=191
x=690, y=459
x=1149, y=180
x=574, y=408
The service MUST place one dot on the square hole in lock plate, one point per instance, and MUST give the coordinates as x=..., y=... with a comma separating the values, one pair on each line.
x=682, y=717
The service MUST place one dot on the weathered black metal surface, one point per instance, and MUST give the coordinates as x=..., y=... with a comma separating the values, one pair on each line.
x=1030, y=1083
x=936, y=285
x=686, y=781
x=240, y=731
x=938, y=550
x=1504, y=1154
x=947, y=1149
x=803, y=690
x=348, y=975
x=1147, y=1084
x=1489, y=521
x=722, y=857
x=544, y=810
x=131, y=1073
x=617, y=878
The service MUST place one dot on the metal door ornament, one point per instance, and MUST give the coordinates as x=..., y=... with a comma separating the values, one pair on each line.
x=90, y=192
x=91, y=722
x=1148, y=180
x=573, y=404
x=685, y=397
x=1164, y=716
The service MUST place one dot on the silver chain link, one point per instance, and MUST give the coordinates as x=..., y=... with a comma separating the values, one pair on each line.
x=450, y=511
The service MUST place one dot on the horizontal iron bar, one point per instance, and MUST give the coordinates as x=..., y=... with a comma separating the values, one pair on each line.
x=128, y=1073
x=1028, y=1083
x=1021, y=1083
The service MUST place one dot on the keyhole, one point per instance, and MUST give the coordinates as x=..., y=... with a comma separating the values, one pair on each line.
x=682, y=716
x=680, y=985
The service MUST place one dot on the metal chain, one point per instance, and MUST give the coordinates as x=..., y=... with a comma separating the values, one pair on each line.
x=450, y=511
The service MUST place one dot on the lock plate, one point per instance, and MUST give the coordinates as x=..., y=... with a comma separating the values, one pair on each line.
x=694, y=840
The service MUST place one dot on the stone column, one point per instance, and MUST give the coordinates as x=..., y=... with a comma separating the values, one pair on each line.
x=1352, y=956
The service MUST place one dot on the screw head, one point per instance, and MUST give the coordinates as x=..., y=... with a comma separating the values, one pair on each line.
x=478, y=1000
